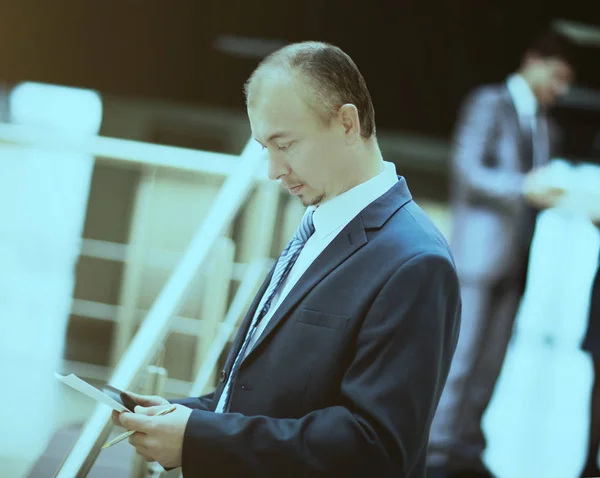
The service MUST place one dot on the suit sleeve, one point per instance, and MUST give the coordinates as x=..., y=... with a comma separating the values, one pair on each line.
x=196, y=403
x=474, y=133
x=388, y=395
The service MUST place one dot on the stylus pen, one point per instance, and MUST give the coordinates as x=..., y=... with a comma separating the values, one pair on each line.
x=131, y=432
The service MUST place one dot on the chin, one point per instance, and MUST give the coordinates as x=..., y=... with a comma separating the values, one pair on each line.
x=311, y=201
x=315, y=201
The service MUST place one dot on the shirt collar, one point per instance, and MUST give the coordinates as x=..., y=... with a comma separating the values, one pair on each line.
x=334, y=214
x=525, y=101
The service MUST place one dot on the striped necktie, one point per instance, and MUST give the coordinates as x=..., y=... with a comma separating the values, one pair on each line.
x=284, y=264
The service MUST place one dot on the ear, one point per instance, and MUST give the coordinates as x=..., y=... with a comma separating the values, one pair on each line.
x=348, y=118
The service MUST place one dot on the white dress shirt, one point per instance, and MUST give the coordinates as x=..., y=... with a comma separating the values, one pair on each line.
x=329, y=219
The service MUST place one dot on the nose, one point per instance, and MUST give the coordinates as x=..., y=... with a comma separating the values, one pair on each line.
x=277, y=167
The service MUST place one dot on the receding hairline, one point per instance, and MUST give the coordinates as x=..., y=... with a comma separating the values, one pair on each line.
x=328, y=76
x=296, y=78
x=266, y=73
x=281, y=61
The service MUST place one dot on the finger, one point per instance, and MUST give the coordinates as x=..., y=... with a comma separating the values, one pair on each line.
x=556, y=191
x=149, y=411
x=139, y=440
x=136, y=422
x=144, y=453
x=115, y=418
x=144, y=400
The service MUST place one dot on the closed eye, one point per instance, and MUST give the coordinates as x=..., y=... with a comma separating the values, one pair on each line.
x=284, y=147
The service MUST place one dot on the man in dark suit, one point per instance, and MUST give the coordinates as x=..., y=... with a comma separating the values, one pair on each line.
x=504, y=140
x=339, y=364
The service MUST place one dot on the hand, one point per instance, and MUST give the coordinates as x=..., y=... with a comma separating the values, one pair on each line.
x=159, y=439
x=545, y=198
x=540, y=191
x=144, y=401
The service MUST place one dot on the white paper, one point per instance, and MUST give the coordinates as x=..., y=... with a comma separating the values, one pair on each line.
x=75, y=382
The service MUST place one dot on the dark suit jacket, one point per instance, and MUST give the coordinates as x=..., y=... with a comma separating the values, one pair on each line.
x=347, y=375
x=490, y=218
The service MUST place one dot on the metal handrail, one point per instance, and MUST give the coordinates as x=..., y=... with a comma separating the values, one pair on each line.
x=155, y=327
x=125, y=152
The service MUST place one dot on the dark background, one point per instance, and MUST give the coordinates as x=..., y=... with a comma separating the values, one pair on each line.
x=419, y=57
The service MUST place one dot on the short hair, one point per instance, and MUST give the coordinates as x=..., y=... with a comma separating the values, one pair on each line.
x=553, y=45
x=332, y=76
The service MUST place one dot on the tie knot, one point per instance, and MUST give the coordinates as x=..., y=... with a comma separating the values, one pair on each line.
x=306, y=227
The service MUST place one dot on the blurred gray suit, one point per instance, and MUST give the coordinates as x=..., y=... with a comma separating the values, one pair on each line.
x=495, y=145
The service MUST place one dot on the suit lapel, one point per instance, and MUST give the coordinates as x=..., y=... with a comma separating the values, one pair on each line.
x=511, y=112
x=524, y=136
x=530, y=144
x=245, y=325
x=348, y=241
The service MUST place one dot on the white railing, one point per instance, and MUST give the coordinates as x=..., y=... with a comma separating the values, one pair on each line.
x=153, y=331
x=240, y=174
x=127, y=152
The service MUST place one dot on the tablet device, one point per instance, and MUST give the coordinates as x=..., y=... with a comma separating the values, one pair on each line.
x=119, y=396
x=108, y=395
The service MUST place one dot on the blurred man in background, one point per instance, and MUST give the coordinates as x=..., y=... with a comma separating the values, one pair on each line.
x=504, y=140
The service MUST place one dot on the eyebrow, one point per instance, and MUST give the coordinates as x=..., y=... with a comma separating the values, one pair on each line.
x=277, y=135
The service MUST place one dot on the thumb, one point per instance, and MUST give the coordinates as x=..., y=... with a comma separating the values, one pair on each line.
x=150, y=411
